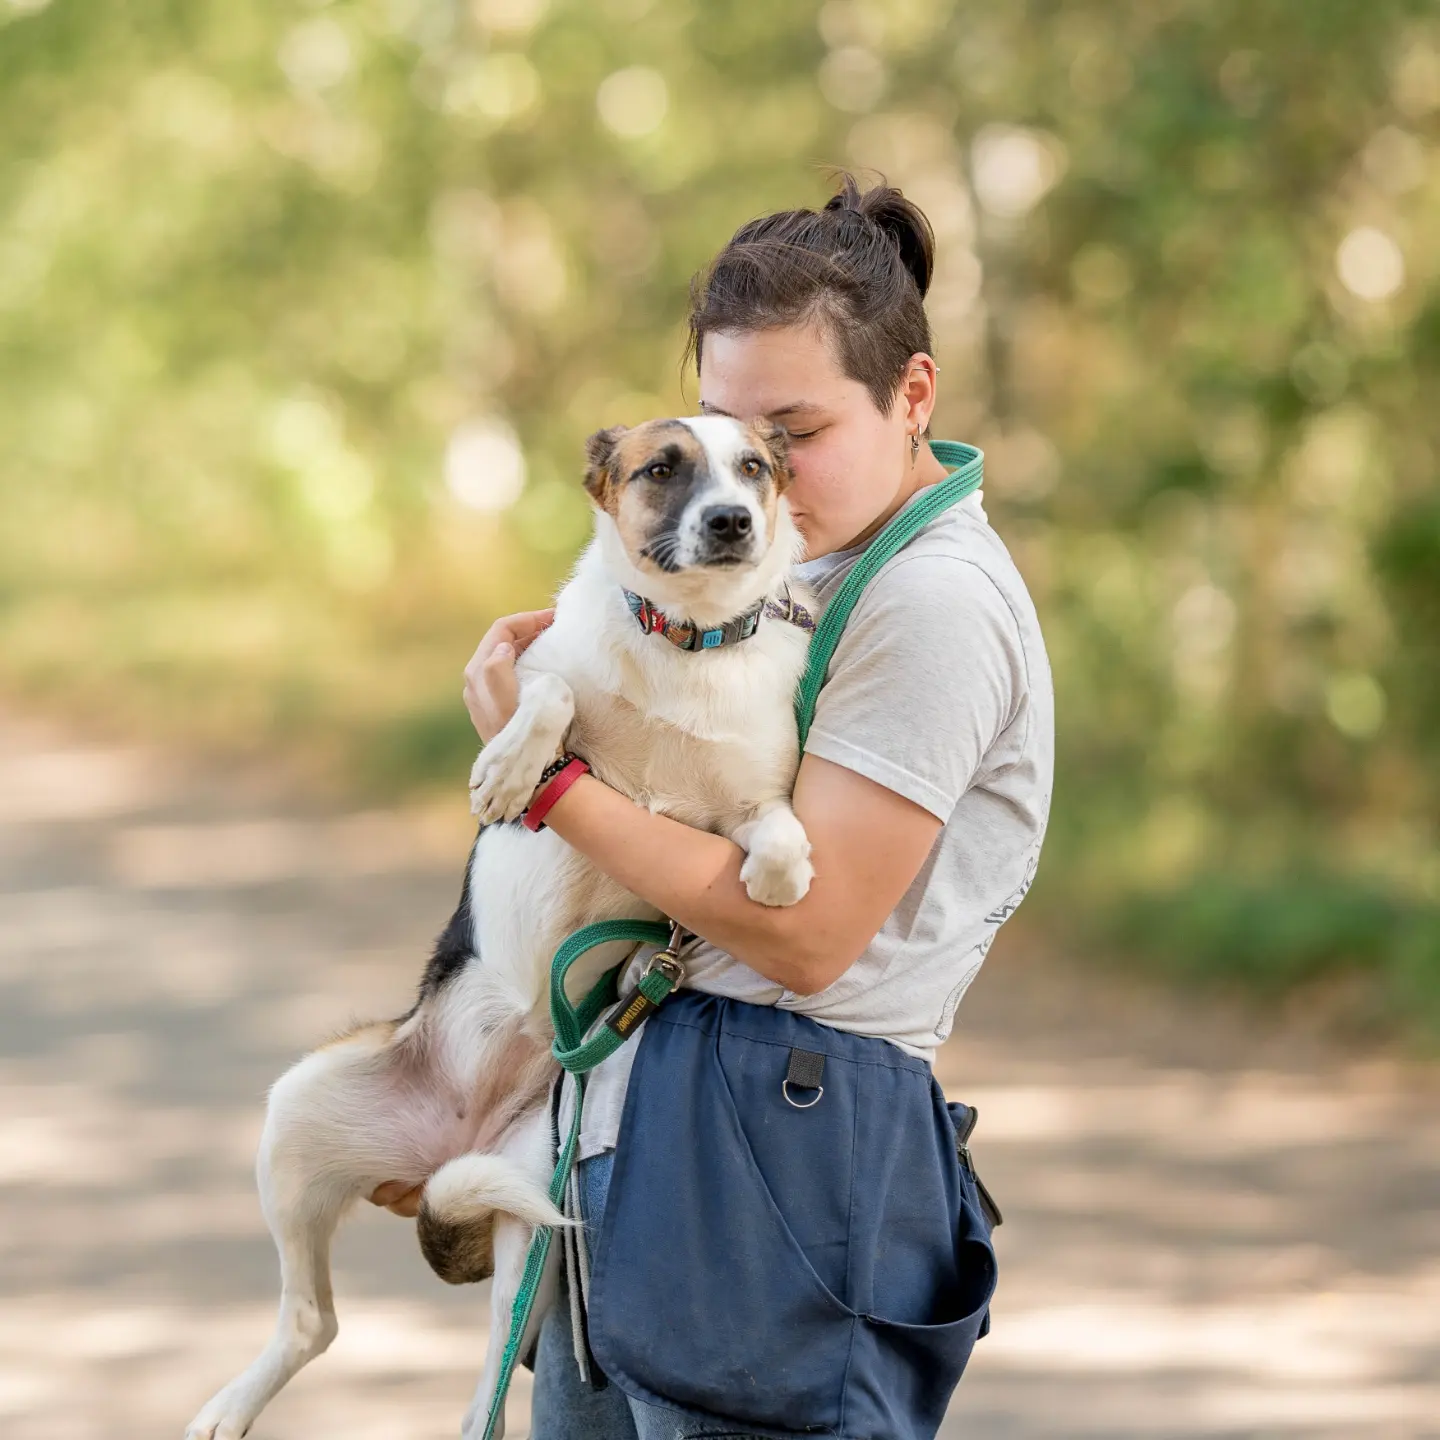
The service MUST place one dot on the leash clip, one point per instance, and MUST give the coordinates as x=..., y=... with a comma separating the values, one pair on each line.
x=635, y=1005
x=668, y=964
x=667, y=961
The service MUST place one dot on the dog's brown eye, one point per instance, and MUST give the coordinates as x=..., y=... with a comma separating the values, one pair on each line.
x=660, y=471
x=750, y=468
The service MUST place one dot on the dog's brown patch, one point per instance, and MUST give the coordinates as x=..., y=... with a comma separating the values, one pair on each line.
x=776, y=441
x=618, y=454
x=460, y=1254
x=600, y=466
x=772, y=442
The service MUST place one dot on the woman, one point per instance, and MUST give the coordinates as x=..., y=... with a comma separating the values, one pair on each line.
x=924, y=789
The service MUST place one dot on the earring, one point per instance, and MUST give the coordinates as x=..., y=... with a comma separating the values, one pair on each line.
x=914, y=447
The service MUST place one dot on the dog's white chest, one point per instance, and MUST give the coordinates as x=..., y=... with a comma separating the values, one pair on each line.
x=709, y=779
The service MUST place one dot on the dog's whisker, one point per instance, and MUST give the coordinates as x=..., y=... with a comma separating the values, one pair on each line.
x=664, y=551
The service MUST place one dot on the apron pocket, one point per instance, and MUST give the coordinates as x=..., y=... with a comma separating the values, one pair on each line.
x=903, y=1375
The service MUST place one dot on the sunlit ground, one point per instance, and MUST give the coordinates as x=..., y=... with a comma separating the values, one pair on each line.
x=1213, y=1228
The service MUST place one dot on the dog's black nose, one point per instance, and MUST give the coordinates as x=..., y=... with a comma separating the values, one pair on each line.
x=727, y=522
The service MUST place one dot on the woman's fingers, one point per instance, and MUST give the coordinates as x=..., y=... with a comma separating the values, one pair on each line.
x=501, y=686
x=519, y=630
x=492, y=689
x=536, y=623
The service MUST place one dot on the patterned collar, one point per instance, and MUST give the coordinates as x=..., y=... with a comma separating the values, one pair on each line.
x=685, y=635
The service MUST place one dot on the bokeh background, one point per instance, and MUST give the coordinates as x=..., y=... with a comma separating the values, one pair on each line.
x=306, y=310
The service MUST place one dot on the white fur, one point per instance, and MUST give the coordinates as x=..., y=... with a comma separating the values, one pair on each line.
x=777, y=869
x=471, y=1186
x=454, y=1092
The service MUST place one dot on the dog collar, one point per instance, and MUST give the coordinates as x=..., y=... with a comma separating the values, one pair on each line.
x=686, y=635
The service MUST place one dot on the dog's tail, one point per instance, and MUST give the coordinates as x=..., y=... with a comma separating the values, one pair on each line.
x=456, y=1224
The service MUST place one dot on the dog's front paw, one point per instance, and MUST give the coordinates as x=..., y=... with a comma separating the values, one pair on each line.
x=502, y=782
x=510, y=766
x=773, y=877
x=777, y=869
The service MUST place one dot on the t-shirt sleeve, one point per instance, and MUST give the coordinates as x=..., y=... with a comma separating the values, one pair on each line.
x=928, y=674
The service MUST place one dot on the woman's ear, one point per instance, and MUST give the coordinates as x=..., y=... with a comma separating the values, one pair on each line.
x=599, y=455
x=918, y=390
x=777, y=441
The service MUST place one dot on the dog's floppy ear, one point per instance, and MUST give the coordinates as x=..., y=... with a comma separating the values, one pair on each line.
x=777, y=442
x=599, y=453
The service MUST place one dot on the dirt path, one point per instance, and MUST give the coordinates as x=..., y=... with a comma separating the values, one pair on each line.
x=1211, y=1230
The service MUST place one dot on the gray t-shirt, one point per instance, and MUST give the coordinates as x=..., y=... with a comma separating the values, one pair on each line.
x=940, y=691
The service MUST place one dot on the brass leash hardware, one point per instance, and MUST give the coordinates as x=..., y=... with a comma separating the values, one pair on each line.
x=647, y=995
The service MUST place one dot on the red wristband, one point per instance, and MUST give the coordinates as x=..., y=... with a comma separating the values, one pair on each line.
x=541, y=805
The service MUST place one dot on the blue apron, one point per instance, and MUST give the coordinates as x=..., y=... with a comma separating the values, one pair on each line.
x=790, y=1240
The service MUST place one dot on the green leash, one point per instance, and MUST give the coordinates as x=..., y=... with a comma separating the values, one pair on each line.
x=967, y=470
x=663, y=972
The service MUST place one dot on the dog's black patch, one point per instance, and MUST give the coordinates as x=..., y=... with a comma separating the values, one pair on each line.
x=455, y=945
x=675, y=494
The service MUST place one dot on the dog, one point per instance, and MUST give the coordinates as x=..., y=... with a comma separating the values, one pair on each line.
x=692, y=530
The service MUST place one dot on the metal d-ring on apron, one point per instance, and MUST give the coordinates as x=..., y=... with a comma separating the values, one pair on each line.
x=664, y=971
x=805, y=1072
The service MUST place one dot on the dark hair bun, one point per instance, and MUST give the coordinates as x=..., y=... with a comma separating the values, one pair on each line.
x=861, y=267
x=901, y=219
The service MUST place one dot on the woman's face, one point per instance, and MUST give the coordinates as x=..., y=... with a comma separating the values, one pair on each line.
x=851, y=463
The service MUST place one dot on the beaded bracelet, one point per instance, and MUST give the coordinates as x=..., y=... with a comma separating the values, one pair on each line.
x=551, y=771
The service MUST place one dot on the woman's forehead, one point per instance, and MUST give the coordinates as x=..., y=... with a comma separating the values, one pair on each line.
x=775, y=372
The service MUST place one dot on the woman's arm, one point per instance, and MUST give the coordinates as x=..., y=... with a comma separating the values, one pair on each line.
x=867, y=845
x=868, y=841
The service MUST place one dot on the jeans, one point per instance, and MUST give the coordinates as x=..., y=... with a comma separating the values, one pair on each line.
x=564, y=1407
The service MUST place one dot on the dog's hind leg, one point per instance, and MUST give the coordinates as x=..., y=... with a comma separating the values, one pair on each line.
x=335, y=1127
x=305, y=1328
x=302, y=1222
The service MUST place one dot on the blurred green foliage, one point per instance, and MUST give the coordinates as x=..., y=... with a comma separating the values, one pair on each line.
x=270, y=273
x=1373, y=955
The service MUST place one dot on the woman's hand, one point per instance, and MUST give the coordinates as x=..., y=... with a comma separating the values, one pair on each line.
x=491, y=688
x=398, y=1198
